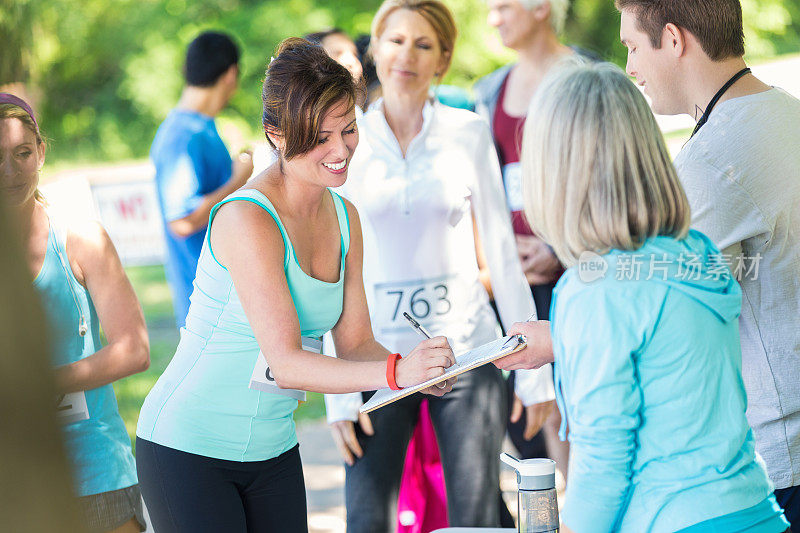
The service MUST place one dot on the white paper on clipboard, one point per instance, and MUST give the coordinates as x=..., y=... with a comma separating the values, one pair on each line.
x=465, y=361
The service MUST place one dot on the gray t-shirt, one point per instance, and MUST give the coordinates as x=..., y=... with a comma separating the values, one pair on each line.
x=741, y=173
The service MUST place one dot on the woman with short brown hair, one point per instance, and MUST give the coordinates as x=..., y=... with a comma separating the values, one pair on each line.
x=280, y=266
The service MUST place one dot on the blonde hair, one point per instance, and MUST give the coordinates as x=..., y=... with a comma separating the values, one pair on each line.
x=596, y=172
x=558, y=11
x=15, y=111
x=435, y=12
x=8, y=110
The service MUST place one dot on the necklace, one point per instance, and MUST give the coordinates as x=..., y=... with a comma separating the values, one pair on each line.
x=736, y=77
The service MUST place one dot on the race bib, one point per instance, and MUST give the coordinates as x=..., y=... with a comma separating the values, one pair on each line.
x=71, y=407
x=262, y=379
x=512, y=181
x=432, y=302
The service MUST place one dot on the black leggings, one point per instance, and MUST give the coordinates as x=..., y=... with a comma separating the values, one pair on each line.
x=185, y=492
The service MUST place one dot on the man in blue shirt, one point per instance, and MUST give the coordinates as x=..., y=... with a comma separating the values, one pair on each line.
x=193, y=168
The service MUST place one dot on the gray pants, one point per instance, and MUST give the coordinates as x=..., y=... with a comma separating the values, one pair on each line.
x=469, y=422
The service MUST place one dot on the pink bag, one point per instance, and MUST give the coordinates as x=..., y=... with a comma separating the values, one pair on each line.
x=422, y=502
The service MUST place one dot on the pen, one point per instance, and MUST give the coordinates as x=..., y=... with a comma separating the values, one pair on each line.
x=518, y=338
x=416, y=325
x=422, y=331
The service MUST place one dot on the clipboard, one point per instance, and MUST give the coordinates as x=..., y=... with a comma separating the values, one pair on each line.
x=464, y=362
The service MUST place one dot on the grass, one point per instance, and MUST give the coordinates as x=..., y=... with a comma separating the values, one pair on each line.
x=151, y=287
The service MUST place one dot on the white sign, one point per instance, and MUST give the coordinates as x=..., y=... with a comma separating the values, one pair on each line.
x=130, y=214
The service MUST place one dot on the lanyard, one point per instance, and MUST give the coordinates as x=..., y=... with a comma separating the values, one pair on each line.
x=713, y=102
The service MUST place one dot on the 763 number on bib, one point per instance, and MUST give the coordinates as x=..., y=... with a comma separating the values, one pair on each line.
x=428, y=301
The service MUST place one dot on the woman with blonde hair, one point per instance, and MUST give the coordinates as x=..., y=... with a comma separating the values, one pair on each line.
x=82, y=286
x=644, y=323
x=427, y=183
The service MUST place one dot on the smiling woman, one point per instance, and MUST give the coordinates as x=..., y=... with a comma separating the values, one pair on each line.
x=280, y=266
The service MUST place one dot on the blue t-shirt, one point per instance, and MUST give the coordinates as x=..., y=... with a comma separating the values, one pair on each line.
x=191, y=161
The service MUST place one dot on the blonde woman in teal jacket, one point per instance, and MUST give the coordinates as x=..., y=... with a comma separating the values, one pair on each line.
x=644, y=323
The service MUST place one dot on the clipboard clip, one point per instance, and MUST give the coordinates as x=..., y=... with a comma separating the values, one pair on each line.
x=518, y=338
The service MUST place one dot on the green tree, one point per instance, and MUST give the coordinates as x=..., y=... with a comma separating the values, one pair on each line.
x=16, y=32
x=107, y=72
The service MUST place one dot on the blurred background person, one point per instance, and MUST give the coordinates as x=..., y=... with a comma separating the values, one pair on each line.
x=427, y=184
x=33, y=463
x=422, y=500
x=531, y=28
x=341, y=48
x=371, y=82
x=78, y=275
x=193, y=168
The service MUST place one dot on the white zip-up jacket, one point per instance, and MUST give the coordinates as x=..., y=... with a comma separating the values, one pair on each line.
x=419, y=246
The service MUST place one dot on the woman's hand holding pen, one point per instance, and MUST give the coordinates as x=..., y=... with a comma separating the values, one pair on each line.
x=427, y=361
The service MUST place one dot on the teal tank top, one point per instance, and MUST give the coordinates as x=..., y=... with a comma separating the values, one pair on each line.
x=96, y=440
x=206, y=402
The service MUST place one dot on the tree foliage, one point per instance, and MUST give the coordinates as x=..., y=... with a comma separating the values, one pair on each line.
x=106, y=72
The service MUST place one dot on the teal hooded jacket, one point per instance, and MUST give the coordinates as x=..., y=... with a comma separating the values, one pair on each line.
x=648, y=381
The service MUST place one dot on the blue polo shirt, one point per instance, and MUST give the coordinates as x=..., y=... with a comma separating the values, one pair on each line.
x=191, y=161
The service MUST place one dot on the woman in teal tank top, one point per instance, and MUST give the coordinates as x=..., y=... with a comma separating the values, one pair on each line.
x=82, y=285
x=280, y=266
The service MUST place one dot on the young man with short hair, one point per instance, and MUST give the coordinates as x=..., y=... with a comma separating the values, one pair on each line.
x=741, y=173
x=193, y=168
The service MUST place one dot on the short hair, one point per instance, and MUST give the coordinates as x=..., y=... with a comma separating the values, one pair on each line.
x=208, y=57
x=717, y=24
x=318, y=36
x=596, y=171
x=558, y=11
x=435, y=12
x=301, y=85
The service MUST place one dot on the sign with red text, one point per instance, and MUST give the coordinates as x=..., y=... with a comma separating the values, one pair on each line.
x=130, y=214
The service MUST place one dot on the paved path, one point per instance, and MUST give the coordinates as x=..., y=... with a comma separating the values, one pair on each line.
x=324, y=475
